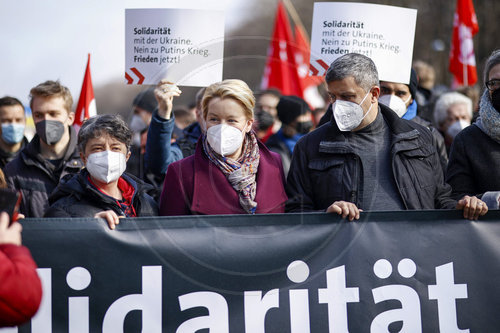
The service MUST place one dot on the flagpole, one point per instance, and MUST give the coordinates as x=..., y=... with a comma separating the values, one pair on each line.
x=295, y=16
x=465, y=74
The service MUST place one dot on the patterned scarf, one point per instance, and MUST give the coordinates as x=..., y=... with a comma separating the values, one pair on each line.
x=490, y=117
x=241, y=174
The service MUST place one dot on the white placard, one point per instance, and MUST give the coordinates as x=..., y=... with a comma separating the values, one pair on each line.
x=185, y=46
x=383, y=33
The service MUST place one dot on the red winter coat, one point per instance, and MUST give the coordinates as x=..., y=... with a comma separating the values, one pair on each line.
x=20, y=287
x=195, y=185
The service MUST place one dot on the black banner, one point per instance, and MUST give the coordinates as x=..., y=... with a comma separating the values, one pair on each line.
x=421, y=271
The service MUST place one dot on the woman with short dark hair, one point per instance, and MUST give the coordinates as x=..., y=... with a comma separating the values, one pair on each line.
x=102, y=189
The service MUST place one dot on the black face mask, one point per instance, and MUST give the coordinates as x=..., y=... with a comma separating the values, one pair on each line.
x=304, y=127
x=50, y=131
x=495, y=99
x=264, y=120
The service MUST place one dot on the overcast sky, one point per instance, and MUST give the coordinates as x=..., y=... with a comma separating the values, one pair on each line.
x=50, y=39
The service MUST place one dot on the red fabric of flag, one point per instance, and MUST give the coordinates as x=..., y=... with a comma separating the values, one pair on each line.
x=302, y=54
x=281, y=70
x=86, y=107
x=462, y=60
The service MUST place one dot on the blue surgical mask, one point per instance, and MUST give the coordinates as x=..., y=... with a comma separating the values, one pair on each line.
x=12, y=133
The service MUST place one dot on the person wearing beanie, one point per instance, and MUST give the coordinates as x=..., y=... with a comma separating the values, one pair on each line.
x=143, y=106
x=401, y=98
x=296, y=121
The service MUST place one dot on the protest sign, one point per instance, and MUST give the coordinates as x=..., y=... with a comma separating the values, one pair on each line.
x=184, y=46
x=383, y=33
x=409, y=271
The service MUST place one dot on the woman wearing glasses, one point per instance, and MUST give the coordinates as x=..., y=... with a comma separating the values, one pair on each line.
x=475, y=153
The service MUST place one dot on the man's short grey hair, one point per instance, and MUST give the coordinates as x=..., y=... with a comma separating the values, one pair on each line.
x=360, y=67
x=112, y=125
x=493, y=60
x=445, y=101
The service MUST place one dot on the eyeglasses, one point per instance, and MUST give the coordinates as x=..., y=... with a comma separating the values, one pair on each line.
x=493, y=84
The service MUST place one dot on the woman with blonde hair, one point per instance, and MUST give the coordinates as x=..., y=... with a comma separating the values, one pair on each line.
x=231, y=172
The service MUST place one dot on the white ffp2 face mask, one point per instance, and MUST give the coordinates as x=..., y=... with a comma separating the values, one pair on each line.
x=348, y=115
x=224, y=139
x=137, y=124
x=457, y=127
x=106, y=166
x=394, y=103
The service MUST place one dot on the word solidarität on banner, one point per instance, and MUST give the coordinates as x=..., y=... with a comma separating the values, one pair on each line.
x=406, y=271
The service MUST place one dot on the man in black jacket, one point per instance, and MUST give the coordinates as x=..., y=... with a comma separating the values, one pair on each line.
x=366, y=157
x=51, y=154
x=12, y=122
x=401, y=98
x=102, y=189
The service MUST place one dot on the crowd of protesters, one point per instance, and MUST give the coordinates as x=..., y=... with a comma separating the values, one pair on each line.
x=234, y=153
x=377, y=146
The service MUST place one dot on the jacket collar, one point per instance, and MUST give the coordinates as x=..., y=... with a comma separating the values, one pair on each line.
x=209, y=198
x=401, y=131
x=79, y=186
x=8, y=155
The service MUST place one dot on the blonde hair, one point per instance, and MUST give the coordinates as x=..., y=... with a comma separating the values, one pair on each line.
x=235, y=89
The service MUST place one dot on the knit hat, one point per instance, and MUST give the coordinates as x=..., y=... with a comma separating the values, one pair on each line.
x=413, y=83
x=146, y=100
x=291, y=107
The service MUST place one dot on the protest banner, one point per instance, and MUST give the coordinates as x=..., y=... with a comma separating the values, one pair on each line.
x=383, y=33
x=411, y=271
x=184, y=46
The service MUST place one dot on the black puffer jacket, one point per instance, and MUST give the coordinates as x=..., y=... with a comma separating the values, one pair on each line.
x=76, y=197
x=36, y=177
x=325, y=169
x=438, y=141
x=6, y=157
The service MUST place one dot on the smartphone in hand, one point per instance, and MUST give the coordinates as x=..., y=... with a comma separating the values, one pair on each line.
x=10, y=200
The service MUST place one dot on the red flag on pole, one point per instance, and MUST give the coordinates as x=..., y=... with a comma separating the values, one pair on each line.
x=86, y=107
x=462, y=60
x=281, y=70
x=309, y=83
x=303, y=52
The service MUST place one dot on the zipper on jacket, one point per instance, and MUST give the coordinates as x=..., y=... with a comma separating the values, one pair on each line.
x=356, y=180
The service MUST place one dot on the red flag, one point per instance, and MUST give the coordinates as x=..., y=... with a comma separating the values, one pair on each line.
x=281, y=70
x=309, y=83
x=462, y=60
x=303, y=51
x=86, y=103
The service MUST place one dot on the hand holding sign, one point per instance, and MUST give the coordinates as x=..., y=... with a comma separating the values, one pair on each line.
x=165, y=92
